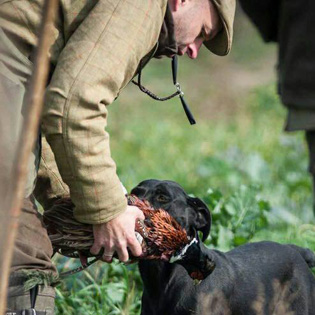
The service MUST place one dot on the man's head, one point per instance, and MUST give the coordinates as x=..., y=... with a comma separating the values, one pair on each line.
x=203, y=21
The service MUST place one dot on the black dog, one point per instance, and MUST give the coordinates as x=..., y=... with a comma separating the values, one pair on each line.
x=257, y=278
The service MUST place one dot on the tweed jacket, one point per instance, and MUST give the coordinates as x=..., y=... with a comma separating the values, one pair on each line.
x=97, y=47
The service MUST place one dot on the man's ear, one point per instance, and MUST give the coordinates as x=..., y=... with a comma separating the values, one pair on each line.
x=203, y=216
x=175, y=4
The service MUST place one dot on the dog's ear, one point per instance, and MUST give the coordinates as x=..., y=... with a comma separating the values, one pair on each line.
x=203, y=221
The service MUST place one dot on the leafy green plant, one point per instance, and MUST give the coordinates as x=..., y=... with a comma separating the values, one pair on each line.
x=113, y=289
x=236, y=219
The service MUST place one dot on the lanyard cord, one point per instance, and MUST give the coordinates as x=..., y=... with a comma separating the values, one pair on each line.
x=178, y=92
x=79, y=269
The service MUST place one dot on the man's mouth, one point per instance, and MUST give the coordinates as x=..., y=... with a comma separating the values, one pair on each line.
x=182, y=49
x=180, y=52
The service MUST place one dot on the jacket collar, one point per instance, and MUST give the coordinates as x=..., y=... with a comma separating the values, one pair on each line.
x=167, y=46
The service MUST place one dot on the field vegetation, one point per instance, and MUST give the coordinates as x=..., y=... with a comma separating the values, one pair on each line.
x=237, y=158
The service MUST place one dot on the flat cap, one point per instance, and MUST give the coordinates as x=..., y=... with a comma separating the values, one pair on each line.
x=221, y=44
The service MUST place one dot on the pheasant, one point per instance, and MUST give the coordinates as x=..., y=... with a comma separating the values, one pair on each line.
x=160, y=235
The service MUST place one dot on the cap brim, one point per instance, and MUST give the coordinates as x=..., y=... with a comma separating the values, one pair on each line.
x=221, y=44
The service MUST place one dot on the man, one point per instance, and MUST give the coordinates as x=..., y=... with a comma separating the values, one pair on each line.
x=291, y=25
x=97, y=49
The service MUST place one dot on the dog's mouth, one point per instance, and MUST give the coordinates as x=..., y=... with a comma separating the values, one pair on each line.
x=195, y=258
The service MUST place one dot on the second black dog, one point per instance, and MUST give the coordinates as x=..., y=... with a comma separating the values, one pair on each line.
x=257, y=278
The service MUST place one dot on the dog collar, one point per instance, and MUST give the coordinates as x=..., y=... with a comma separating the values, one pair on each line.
x=181, y=254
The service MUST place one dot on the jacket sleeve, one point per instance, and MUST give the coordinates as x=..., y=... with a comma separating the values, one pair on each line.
x=265, y=15
x=49, y=185
x=98, y=60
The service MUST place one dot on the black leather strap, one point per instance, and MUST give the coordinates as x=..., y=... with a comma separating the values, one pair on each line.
x=33, y=296
x=179, y=92
x=30, y=311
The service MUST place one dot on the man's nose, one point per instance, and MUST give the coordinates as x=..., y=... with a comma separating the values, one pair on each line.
x=193, y=49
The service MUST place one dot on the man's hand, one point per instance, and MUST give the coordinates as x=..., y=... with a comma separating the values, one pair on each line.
x=117, y=235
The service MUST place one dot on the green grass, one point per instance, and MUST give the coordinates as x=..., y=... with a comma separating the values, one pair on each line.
x=104, y=289
x=237, y=158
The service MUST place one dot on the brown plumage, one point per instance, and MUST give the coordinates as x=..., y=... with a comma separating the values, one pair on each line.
x=161, y=235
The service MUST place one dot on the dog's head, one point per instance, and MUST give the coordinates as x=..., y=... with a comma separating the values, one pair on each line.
x=191, y=213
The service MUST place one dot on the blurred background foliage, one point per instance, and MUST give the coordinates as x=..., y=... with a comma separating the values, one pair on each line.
x=237, y=158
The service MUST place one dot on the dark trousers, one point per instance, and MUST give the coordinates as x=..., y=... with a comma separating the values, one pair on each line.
x=33, y=248
x=310, y=139
x=32, y=253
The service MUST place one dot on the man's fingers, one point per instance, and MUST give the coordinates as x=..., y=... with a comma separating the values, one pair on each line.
x=95, y=249
x=140, y=214
x=135, y=247
x=123, y=254
x=137, y=212
x=108, y=256
x=118, y=236
x=122, y=251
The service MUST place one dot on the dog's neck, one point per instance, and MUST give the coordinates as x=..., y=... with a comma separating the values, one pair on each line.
x=168, y=289
x=164, y=284
x=157, y=273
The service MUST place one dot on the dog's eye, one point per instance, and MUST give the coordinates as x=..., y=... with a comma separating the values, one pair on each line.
x=161, y=198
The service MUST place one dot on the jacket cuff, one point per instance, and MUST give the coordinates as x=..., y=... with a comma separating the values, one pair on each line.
x=117, y=205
